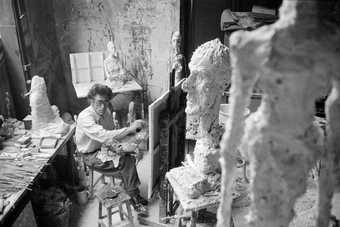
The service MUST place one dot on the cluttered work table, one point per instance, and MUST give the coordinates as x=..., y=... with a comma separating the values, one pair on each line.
x=22, y=158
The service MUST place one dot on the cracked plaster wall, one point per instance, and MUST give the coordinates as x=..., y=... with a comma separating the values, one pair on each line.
x=140, y=29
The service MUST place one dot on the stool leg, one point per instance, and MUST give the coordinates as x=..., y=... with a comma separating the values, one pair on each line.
x=121, y=212
x=178, y=222
x=103, y=179
x=193, y=219
x=85, y=169
x=128, y=208
x=92, y=182
x=100, y=214
x=109, y=215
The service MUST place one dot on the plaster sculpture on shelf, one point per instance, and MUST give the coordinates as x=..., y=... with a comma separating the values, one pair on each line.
x=177, y=62
x=116, y=74
x=210, y=71
x=292, y=64
x=43, y=115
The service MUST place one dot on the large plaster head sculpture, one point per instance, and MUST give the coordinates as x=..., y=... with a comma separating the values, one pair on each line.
x=209, y=73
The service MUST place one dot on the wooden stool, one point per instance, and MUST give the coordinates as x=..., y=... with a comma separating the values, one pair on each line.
x=89, y=170
x=111, y=204
x=113, y=175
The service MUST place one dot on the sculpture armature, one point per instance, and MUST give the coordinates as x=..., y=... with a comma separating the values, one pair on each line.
x=292, y=64
x=209, y=67
x=177, y=61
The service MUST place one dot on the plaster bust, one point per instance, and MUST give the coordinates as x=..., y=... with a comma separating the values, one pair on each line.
x=210, y=71
x=116, y=74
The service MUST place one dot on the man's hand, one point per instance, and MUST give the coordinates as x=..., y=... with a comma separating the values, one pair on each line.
x=136, y=126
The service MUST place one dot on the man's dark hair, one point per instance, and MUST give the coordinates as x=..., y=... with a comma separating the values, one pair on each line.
x=100, y=89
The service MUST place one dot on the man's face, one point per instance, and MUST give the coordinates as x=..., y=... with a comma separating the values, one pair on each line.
x=200, y=93
x=100, y=104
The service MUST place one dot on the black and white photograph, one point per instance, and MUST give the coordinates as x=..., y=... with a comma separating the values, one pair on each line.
x=170, y=113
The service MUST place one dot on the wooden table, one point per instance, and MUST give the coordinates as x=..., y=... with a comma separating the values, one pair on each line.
x=18, y=201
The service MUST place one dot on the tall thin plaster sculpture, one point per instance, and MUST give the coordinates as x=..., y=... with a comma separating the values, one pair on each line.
x=292, y=62
x=210, y=71
x=44, y=115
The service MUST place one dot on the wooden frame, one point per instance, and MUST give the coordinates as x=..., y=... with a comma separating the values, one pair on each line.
x=155, y=109
x=87, y=67
x=169, y=102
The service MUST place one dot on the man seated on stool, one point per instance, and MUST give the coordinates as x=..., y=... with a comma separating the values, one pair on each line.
x=95, y=127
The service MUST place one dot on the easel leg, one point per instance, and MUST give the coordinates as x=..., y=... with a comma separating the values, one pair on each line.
x=163, y=206
x=171, y=200
x=109, y=215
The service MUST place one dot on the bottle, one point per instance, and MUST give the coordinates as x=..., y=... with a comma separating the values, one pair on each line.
x=115, y=121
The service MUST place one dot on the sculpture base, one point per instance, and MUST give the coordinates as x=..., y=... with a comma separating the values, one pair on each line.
x=193, y=182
